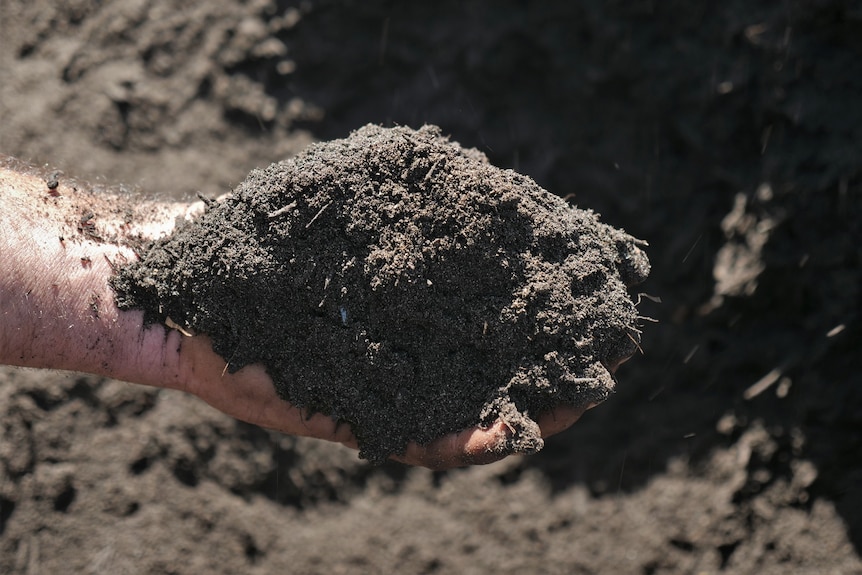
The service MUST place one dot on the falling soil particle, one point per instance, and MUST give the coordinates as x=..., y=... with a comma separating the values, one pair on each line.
x=402, y=284
x=53, y=181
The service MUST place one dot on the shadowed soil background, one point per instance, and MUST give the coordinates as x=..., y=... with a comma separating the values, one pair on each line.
x=728, y=137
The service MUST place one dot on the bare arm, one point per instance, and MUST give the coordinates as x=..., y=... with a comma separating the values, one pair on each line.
x=58, y=247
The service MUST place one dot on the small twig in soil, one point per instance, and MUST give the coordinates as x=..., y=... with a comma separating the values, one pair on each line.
x=634, y=341
x=652, y=298
x=281, y=211
x=174, y=325
x=208, y=202
x=317, y=215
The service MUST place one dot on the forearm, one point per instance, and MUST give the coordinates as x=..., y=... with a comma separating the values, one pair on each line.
x=58, y=311
x=57, y=249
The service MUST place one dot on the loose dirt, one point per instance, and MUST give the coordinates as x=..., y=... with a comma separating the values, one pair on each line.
x=402, y=284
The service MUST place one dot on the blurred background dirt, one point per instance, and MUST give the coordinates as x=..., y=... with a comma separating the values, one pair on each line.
x=727, y=135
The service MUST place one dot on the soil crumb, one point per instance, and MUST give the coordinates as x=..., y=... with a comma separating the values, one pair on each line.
x=400, y=283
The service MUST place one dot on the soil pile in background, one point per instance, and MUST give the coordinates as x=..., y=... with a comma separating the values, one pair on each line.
x=402, y=284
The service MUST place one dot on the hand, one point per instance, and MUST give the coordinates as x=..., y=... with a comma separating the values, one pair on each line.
x=58, y=249
x=249, y=395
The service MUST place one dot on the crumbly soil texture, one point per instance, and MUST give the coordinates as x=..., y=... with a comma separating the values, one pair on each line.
x=402, y=284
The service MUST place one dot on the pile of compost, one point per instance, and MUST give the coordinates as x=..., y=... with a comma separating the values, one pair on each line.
x=400, y=283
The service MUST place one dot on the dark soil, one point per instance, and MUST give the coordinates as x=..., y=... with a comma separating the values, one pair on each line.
x=727, y=135
x=403, y=285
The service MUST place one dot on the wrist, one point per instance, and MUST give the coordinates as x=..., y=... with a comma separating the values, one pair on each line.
x=56, y=307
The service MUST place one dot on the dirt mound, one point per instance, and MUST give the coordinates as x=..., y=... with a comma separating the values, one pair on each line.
x=402, y=284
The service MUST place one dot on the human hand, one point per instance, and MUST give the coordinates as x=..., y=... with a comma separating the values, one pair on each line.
x=249, y=395
x=59, y=312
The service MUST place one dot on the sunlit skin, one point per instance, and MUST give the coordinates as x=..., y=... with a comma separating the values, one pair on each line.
x=57, y=311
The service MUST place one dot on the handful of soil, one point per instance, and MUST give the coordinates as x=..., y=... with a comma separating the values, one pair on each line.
x=400, y=283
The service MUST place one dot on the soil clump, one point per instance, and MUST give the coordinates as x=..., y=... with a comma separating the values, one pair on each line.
x=402, y=284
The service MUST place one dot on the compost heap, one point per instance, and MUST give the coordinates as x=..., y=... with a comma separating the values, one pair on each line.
x=400, y=283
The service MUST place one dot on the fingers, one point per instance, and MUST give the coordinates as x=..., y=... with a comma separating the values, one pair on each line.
x=481, y=446
x=249, y=395
x=561, y=418
x=474, y=446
